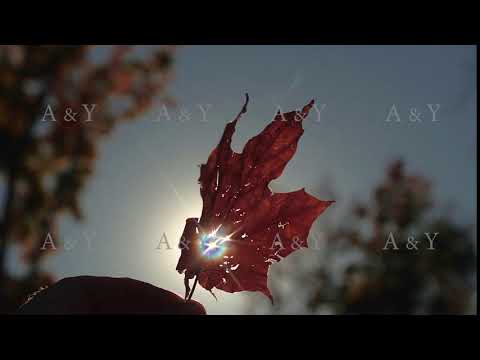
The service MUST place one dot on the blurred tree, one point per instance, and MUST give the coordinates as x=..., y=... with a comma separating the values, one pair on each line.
x=357, y=270
x=56, y=103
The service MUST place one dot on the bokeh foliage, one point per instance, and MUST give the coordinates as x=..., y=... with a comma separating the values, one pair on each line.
x=355, y=270
x=45, y=161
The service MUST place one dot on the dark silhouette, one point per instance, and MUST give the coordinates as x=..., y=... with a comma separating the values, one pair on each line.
x=106, y=295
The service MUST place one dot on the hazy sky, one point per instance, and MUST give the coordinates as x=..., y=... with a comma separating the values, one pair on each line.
x=146, y=178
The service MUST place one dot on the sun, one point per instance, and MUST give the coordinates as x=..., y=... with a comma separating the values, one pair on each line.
x=213, y=245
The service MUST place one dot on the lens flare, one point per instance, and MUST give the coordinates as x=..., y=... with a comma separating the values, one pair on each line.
x=213, y=245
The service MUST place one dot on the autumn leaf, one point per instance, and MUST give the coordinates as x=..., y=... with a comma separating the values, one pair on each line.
x=245, y=227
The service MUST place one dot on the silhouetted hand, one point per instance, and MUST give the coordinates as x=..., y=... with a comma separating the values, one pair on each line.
x=105, y=295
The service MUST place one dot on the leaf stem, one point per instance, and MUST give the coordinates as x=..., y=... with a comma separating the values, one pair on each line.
x=193, y=288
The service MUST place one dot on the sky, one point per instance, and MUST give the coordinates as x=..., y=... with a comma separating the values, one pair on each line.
x=145, y=184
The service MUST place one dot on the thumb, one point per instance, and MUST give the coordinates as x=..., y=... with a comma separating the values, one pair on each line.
x=106, y=295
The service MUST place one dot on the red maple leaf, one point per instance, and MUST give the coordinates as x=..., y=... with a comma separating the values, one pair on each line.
x=244, y=226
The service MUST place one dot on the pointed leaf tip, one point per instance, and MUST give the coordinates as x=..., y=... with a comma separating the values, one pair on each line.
x=307, y=107
x=247, y=99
